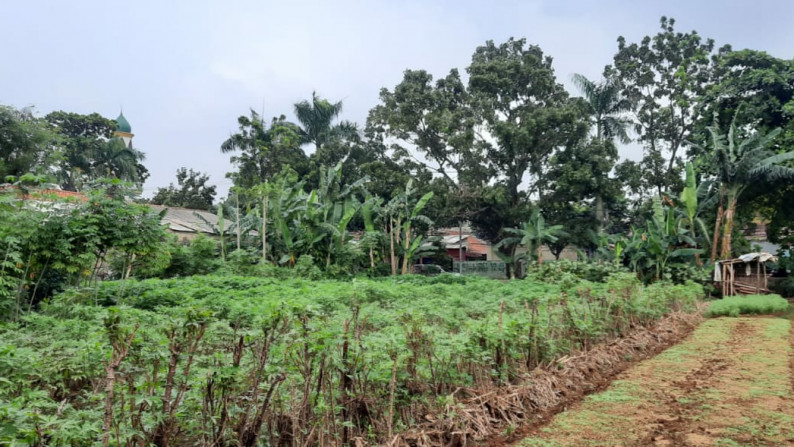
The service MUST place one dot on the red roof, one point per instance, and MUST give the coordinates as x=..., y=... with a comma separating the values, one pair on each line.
x=473, y=244
x=45, y=194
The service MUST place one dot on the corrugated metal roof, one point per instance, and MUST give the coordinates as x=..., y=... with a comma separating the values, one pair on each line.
x=185, y=220
x=472, y=244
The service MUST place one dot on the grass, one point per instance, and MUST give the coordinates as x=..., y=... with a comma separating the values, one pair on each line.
x=734, y=306
x=744, y=398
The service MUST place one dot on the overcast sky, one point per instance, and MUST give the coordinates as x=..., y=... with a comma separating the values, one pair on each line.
x=185, y=70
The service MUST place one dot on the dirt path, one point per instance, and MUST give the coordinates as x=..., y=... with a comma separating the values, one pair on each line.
x=731, y=383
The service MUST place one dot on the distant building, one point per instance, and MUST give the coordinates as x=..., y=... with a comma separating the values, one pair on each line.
x=186, y=223
x=124, y=130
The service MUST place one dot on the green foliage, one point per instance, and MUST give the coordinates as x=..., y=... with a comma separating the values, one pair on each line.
x=734, y=306
x=47, y=243
x=784, y=288
x=663, y=77
x=191, y=191
x=589, y=271
x=215, y=340
x=24, y=141
x=264, y=150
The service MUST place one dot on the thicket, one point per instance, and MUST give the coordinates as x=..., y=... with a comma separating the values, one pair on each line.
x=734, y=306
x=224, y=360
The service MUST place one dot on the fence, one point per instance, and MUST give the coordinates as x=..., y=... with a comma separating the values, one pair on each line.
x=489, y=269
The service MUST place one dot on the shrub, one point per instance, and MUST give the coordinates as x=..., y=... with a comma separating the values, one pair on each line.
x=748, y=305
x=784, y=288
x=589, y=271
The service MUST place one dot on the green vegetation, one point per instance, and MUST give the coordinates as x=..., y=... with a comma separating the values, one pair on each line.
x=284, y=330
x=729, y=383
x=236, y=358
x=748, y=305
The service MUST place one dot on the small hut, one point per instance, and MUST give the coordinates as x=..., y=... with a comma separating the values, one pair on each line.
x=744, y=275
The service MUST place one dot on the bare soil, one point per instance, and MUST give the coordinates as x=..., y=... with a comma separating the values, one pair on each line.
x=730, y=383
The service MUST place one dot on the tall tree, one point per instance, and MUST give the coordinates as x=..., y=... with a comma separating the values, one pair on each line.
x=316, y=118
x=607, y=107
x=264, y=150
x=662, y=77
x=25, y=143
x=526, y=113
x=435, y=120
x=191, y=191
x=580, y=177
x=758, y=89
x=82, y=139
x=431, y=125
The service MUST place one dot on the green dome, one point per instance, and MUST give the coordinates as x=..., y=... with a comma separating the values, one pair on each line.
x=123, y=124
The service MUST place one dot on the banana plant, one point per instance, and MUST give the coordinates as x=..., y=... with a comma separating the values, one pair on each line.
x=694, y=199
x=665, y=238
x=370, y=209
x=532, y=235
x=402, y=213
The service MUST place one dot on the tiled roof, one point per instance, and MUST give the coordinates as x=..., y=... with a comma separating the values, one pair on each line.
x=46, y=194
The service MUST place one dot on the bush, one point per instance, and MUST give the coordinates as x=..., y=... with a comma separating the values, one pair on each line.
x=590, y=271
x=784, y=288
x=748, y=305
x=305, y=268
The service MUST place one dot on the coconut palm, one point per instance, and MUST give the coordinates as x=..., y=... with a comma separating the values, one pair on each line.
x=740, y=162
x=607, y=106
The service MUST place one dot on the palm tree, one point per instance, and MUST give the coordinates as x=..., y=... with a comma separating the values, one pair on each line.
x=740, y=162
x=316, y=118
x=115, y=159
x=607, y=105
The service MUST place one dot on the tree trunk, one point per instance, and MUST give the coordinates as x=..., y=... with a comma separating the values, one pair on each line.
x=391, y=247
x=264, y=229
x=109, y=384
x=599, y=213
x=129, y=267
x=716, y=238
x=237, y=217
x=727, y=229
x=406, y=247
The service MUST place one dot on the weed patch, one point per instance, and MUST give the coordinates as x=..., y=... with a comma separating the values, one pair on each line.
x=734, y=306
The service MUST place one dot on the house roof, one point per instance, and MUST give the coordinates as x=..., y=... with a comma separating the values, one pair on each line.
x=185, y=220
x=45, y=194
x=472, y=244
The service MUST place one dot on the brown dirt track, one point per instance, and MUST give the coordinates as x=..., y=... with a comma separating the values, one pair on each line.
x=730, y=383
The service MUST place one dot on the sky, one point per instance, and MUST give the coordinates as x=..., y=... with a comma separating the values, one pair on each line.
x=184, y=71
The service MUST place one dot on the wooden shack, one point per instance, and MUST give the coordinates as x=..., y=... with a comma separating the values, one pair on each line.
x=745, y=275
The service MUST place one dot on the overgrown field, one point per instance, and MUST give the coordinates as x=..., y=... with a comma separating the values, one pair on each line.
x=729, y=384
x=213, y=360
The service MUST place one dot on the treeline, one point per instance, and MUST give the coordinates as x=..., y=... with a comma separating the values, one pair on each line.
x=507, y=149
x=502, y=146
